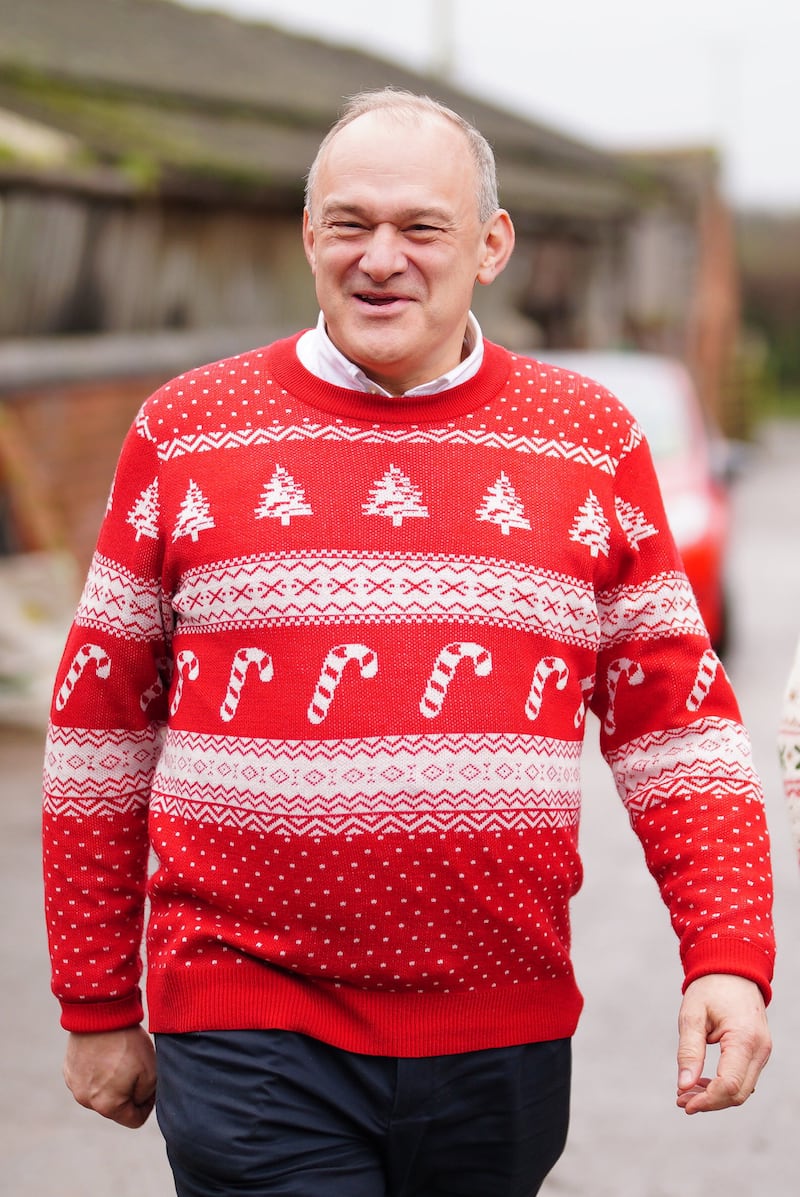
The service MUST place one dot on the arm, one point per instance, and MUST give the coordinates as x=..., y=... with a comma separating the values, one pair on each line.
x=672, y=734
x=113, y=1073
x=107, y=717
x=730, y=1011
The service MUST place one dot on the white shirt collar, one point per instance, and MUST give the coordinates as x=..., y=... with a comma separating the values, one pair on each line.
x=320, y=356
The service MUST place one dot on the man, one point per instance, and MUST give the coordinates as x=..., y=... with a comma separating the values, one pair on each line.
x=353, y=596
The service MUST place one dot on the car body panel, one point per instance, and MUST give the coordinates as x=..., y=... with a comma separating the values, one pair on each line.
x=687, y=452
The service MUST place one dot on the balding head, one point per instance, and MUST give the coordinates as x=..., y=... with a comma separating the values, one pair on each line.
x=407, y=108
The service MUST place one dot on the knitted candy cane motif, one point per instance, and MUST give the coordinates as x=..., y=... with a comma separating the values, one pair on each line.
x=587, y=686
x=706, y=672
x=623, y=667
x=151, y=693
x=186, y=665
x=244, y=658
x=444, y=668
x=157, y=689
x=330, y=675
x=548, y=667
x=85, y=654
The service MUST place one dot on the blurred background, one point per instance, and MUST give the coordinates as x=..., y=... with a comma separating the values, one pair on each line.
x=152, y=160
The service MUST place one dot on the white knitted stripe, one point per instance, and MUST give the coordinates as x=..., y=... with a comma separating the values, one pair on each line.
x=98, y=771
x=392, y=783
x=308, y=588
x=663, y=605
x=116, y=601
x=708, y=756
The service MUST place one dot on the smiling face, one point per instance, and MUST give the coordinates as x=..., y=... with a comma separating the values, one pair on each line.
x=396, y=246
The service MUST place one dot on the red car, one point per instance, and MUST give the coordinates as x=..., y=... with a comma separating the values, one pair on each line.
x=690, y=459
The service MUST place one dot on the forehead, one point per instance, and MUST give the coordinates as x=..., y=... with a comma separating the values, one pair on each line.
x=415, y=159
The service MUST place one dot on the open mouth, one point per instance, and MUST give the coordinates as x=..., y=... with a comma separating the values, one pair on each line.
x=378, y=301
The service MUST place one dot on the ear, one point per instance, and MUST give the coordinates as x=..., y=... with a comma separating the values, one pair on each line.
x=308, y=240
x=498, y=240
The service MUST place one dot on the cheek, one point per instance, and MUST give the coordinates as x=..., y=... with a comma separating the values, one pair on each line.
x=333, y=263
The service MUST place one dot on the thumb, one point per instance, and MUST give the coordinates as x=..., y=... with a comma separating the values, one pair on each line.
x=691, y=1052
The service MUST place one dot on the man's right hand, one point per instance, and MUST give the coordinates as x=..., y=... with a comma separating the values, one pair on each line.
x=114, y=1073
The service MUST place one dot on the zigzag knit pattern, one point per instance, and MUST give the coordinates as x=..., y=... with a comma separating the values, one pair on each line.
x=328, y=682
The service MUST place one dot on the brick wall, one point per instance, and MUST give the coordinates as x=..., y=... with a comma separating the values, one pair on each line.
x=72, y=432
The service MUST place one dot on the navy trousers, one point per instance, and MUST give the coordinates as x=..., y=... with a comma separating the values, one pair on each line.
x=273, y=1112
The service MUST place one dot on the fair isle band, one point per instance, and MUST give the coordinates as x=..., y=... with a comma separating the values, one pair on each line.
x=664, y=606
x=277, y=434
x=713, y=754
x=308, y=588
x=400, y=783
x=105, y=771
x=116, y=601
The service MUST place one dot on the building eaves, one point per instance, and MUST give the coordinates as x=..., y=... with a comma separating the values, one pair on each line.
x=178, y=97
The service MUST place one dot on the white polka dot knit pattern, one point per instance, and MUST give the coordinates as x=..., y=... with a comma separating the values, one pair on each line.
x=330, y=672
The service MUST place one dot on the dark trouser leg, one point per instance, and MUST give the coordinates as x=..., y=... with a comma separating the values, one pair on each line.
x=259, y=1113
x=493, y=1125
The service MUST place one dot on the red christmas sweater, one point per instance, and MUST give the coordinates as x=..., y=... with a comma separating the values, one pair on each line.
x=332, y=665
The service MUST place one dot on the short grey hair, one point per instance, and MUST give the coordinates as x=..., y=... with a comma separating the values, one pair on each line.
x=408, y=106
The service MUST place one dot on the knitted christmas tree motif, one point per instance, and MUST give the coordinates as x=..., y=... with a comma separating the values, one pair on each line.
x=590, y=526
x=143, y=516
x=142, y=425
x=195, y=514
x=395, y=497
x=502, y=505
x=634, y=523
x=282, y=498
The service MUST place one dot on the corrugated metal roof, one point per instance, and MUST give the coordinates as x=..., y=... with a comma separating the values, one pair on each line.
x=173, y=95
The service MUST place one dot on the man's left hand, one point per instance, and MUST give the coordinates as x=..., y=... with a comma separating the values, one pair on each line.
x=727, y=1010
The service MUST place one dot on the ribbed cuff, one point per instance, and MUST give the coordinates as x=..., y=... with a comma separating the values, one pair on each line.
x=88, y=1016
x=737, y=957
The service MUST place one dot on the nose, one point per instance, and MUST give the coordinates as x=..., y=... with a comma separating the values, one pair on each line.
x=384, y=254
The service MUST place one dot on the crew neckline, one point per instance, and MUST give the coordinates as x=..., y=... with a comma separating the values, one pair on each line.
x=289, y=372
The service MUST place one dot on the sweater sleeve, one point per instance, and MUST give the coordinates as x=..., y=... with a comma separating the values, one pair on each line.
x=672, y=733
x=106, y=721
x=789, y=748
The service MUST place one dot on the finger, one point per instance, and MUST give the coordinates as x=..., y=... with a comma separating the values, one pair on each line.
x=691, y=1054
x=123, y=1111
x=127, y=1110
x=687, y=1102
x=133, y=1116
x=734, y=1083
x=699, y=1088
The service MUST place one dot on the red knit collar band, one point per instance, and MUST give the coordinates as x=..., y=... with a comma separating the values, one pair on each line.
x=357, y=405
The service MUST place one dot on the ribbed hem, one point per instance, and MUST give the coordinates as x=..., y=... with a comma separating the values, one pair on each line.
x=719, y=954
x=254, y=996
